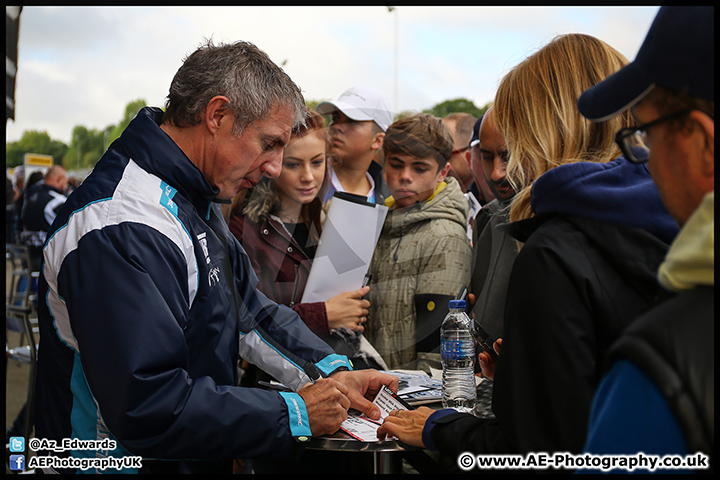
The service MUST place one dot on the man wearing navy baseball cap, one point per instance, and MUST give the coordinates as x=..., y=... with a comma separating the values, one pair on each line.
x=658, y=397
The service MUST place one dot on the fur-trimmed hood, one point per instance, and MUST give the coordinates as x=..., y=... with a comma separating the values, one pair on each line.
x=261, y=201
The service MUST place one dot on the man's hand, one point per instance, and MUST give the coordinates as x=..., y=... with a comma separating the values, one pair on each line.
x=327, y=404
x=363, y=385
x=406, y=425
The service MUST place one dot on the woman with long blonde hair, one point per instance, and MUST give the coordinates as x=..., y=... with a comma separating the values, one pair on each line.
x=535, y=104
x=593, y=229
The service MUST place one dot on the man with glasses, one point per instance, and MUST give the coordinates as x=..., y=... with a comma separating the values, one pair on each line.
x=659, y=396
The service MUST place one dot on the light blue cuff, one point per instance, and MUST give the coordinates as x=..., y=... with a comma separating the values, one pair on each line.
x=297, y=415
x=332, y=362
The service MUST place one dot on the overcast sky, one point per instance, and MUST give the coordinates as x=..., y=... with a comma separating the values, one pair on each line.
x=83, y=65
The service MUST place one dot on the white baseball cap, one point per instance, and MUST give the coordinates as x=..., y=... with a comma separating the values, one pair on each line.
x=361, y=103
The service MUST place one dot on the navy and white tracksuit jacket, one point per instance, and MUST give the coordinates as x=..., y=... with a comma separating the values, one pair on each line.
x=147, y=303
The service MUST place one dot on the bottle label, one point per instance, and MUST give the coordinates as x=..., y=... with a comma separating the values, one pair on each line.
x=453, y=350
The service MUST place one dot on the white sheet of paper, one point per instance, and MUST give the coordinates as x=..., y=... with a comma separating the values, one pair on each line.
x=473, y=208
x=345, y=248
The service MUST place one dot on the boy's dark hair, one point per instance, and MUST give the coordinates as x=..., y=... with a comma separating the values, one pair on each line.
x=421, y=135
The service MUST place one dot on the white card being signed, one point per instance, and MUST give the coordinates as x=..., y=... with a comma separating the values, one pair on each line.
x=387, y=401
x=364, y=428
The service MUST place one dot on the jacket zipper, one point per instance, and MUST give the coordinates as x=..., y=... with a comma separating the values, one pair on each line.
x=286, y=235
x=296, y=286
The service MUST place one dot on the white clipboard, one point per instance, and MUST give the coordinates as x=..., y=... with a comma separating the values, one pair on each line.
x=345, y=248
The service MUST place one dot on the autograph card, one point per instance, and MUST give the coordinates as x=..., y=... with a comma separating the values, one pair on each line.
x=388, y=401
x=364, y=428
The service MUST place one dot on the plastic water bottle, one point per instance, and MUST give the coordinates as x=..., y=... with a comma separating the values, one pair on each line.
x=457, y=351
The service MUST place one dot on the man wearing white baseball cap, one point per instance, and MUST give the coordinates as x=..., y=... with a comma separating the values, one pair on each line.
x=658, y=397
x=360, y=117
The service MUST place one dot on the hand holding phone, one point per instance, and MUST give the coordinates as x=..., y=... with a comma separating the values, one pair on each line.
x=481, y=336
x=484, y=339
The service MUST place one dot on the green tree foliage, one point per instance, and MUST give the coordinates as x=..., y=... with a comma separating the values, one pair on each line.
x=312, y=104
x=89, y=145
x=33, y=141
x=447, y=107
x=131, y=110
x=403, y=114
x=440, y=110
x=86, y=148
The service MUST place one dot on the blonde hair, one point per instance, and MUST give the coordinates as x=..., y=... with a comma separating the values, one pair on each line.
x=536, y=112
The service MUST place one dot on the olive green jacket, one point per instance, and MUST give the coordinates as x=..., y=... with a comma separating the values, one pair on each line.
x=423, y=249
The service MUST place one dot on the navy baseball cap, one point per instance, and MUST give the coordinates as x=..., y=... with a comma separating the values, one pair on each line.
x=475, y=138
x=678, y=53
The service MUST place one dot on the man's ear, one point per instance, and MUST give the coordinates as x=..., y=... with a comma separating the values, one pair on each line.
x=217, y=112
x=707, y=130
x=444, y=172
x=377, y=141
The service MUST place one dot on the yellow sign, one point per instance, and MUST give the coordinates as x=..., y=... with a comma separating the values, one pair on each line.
x=38, y=159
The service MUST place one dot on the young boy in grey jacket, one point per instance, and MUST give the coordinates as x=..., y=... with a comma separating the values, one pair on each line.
x=423, y=257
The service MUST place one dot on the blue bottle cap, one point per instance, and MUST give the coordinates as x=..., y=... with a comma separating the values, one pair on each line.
x=457, y=304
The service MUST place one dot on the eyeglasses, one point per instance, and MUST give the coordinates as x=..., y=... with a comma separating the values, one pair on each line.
x=633, y=141
x=459, y=150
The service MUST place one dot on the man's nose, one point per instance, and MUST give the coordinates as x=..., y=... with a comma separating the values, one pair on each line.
x=273, y=168
x=499, y=169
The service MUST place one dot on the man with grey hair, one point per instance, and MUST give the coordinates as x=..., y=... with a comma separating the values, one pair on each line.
x=148, y=300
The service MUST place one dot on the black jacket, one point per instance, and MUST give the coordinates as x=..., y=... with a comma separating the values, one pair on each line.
x=38, y=212
x=381, y=189
x=575, y=285
x=674, y=344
